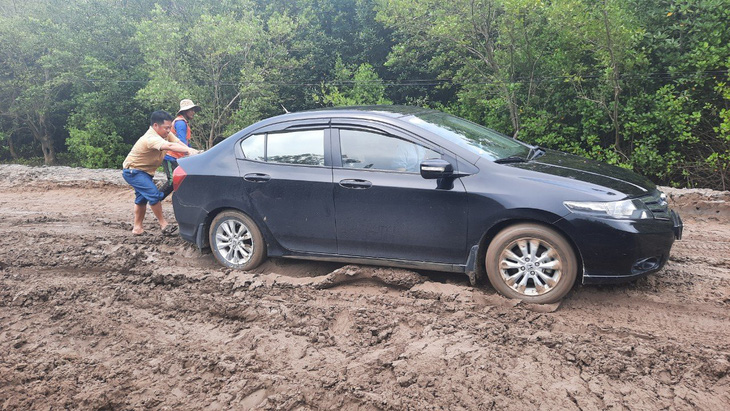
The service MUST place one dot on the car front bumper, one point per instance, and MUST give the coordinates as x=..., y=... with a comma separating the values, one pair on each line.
x=615, y=251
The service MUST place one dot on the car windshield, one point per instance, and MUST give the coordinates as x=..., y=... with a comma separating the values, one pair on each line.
x=473, y=137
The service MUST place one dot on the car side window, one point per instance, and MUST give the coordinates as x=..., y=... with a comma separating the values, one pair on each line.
x=293, y=147
x=296, y=147
x=369, y=150
x=254, y=147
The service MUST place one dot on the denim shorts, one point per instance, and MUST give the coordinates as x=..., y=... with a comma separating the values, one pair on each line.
x=145, y=189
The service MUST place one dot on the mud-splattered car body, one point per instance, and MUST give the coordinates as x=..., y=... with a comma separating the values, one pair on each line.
x=334, y=185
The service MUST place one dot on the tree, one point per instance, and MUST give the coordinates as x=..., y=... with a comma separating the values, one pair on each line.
x=36, y=79
x=214, y=61
x=478, y=40
x=359, y=86
x=604, y=35
x=104, y=118
x=639, y=84
x=719, y=158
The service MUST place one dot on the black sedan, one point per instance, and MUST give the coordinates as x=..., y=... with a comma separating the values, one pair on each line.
x=417, y=188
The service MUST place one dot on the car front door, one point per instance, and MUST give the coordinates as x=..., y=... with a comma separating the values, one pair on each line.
x=384, y=208
x=287, y=176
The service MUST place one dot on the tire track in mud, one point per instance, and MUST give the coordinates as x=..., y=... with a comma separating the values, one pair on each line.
x=93, y=317
x=281, y=319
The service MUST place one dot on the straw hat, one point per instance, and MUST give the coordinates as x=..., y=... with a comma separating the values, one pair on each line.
x=187, y=104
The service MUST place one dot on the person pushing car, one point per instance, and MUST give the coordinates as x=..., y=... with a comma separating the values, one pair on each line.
x=142, y=162
x=181, y=129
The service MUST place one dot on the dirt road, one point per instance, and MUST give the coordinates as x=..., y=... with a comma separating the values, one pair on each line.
x=94, y=318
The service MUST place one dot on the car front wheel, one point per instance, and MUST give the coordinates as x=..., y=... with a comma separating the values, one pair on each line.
x=531, y=262
x=236, y=241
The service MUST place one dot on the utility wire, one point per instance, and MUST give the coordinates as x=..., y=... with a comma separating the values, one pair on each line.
x=451, y=81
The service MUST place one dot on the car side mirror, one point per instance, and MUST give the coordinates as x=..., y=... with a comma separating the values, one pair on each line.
x=435, y=168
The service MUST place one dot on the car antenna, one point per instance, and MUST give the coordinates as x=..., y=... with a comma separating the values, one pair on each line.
x=285, y=110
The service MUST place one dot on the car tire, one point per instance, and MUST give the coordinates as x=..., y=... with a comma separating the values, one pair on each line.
x=236, y=241
x=531, y=262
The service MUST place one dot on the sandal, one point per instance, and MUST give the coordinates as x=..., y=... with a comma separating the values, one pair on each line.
x=170, y=230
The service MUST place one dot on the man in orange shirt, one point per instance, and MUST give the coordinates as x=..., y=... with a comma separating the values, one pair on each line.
x=142, y=162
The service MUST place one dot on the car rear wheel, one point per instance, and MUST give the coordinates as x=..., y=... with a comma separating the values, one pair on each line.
x=236, y=241
x=531, y=262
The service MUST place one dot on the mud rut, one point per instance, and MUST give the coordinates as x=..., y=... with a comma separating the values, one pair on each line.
x=93, y=318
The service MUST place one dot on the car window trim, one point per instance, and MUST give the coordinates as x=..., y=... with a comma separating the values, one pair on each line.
x=240, y=155
x=292, y=125
x=387, y=130
x=337, y=146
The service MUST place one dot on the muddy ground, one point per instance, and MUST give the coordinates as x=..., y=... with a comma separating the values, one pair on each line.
x=94, y=318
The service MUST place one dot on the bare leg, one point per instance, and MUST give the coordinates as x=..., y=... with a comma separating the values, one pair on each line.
x=157, y=209
x=139, y=212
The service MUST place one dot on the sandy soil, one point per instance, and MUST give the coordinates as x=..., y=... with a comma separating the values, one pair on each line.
x=93, y=318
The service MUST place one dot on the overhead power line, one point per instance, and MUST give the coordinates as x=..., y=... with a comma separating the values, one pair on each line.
x=451, y=81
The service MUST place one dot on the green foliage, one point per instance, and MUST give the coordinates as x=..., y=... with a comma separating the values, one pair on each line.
x=160, y=41
x=97, y=146
x=661, y=126
x=719, y=158
x=643, y=85
x=353, y=86
x=621, y=81
x=224, y=61
x=37, y=73
x=4, y=147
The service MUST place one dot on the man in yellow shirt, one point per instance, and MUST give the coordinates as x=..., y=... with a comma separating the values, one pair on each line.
x=142, y=162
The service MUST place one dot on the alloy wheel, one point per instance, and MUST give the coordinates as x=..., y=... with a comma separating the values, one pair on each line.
x=530, y=266
x=234, y=242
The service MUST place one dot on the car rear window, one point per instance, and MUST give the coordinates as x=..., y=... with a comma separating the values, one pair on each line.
x=294, y=147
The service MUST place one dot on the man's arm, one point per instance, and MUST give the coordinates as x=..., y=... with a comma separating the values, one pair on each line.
x=171, y=144
x=178, y=147
x=403, y=157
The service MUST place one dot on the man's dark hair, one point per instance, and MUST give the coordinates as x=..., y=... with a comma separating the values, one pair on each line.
x=160, y=116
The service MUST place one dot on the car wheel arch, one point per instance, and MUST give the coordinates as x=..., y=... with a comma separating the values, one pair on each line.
x=236, y=240
x=500, y=225
x=216, y=211
x=209, y=219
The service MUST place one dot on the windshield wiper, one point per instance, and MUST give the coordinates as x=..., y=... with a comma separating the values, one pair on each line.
x=510, y=159
x=535, y=152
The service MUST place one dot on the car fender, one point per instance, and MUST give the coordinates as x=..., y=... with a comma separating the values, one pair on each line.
x=242, y=204
x=505, y=218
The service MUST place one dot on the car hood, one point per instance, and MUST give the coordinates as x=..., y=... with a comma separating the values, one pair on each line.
x=582, y=169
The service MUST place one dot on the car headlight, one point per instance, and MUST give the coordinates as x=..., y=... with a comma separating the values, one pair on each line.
x=628, y=209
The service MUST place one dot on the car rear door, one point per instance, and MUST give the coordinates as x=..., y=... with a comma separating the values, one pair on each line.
x=384, y=208
x=286, y=173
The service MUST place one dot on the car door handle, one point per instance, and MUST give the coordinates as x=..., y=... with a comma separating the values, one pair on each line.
x=356, y=184
x=257, y=177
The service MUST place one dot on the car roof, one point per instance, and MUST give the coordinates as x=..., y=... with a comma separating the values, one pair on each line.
x=387, y=111
x=392, y=114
